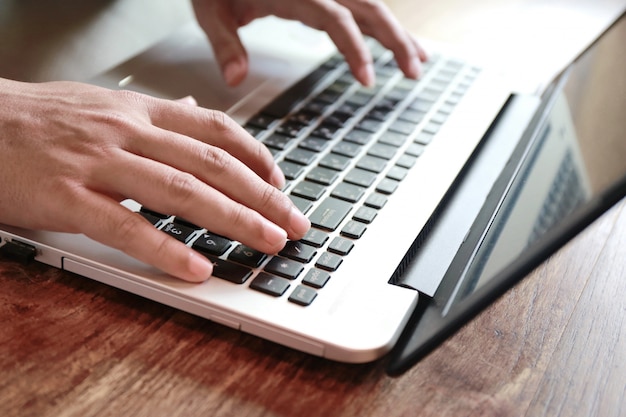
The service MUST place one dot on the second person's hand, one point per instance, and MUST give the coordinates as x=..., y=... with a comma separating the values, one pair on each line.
x=345, y=21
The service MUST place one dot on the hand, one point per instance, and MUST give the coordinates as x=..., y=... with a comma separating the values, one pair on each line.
x=343, y=20
x=71, y=152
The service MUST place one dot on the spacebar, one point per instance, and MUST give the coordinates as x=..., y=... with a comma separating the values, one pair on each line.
x=284, y=103
x=330, y=213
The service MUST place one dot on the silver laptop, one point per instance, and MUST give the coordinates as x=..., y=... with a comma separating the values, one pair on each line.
x=381, y=172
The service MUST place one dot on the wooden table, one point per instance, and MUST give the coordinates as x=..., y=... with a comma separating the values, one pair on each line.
x=554, y=345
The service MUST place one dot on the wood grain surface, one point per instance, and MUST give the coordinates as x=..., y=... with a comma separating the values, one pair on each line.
x=555, y=345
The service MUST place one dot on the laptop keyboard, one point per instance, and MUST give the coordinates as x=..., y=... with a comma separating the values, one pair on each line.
x=344, y=150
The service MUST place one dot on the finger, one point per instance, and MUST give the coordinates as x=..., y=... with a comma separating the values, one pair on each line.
x=114, y=225
x=189, y=100
x=208, y=126
x=250, y=211
x=376, y=20
x=220, y=26
x=339, y=23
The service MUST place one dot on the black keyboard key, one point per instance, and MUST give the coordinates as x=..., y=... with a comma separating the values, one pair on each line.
x=301, y=156
x=429, y=94
x=229, y=271
x=314, y=144
x=212, y=244
x=379, y=113
x=326, y=131
x=308, y=190
x=360, y=137
x=353, y=229
x=151, y=218
x=406, y=84
x=415, y=149
x=315, y=237
x=284, y=267
x=340, y=246
x=360, y=99
x=287, y=101
x=270, y=284
x=290, y=170
x=304, y=117
x=247, y=256
x=424, y=138
x=322, y=175
x=403, y=126
x=397, y=173
x=397, y=95
x=431, y=127
x=372, y=163
x=406, y=161
x=412, y=115
x=370, y=125
x=316, y=278
x=154, y=213
x=334, y=161
x=387, y=186
x=303, y=295
x=178, y=231
x=329, y=96
x=393, y=138
x=329, y=214
x=302, y=204
x=316, y=106
x=365, y=214
x=291, y=129
x=337, y=118
x=348, y=192
x=298, y=251
x=185, y=222
x=346, y=148
x=277, y=141
x=421, y=105
x=360, y=177
x=376, y=201
x=329, y=261
x=382, y=150
x=262, y=121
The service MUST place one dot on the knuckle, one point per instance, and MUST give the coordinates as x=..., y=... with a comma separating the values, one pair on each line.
x=219, y=121
x=181, y=187
x=271, y=198
x=341, y=15
x=237, y=216
x=126, y=230
x=218, y=159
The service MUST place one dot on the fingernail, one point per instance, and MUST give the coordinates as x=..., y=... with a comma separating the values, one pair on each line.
x=199, y=266
x=277, y=178
x=367, y=75
x=274, y=235
x=233, y=72
x=299, y=223
x=415, y=68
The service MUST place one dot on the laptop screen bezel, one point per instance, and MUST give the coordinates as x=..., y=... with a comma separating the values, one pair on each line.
x=436, y=319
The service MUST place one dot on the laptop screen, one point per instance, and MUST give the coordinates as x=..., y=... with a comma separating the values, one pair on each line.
x=567, y=170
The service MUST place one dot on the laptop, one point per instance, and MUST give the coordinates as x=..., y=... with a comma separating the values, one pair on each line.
x=414, y=189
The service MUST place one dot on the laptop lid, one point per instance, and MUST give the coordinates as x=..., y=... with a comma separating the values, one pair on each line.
x=566, y=171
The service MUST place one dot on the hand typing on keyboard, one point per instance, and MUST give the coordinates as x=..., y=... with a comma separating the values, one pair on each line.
x=70, y=152
x=345, y=21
